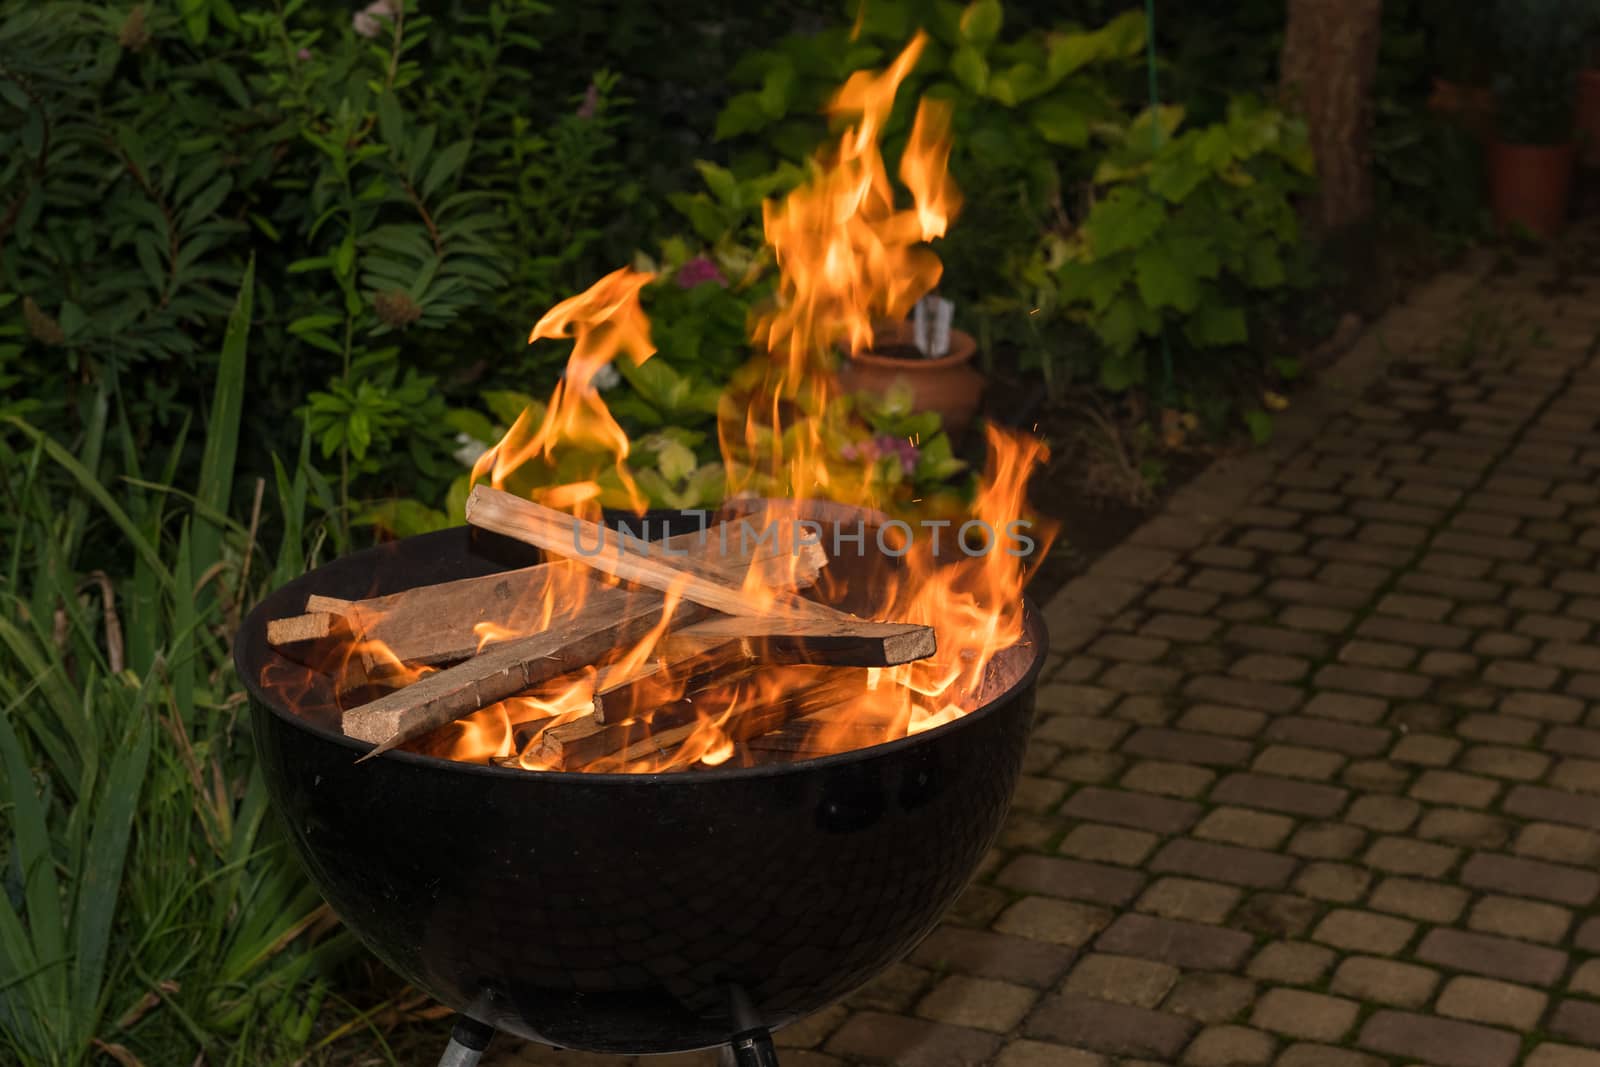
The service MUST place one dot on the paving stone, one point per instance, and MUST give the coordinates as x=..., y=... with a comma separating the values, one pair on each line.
x=1501, y=729
x=1130, y=647
x=1503, y=762
x=1123, y=979
x=1168, y=779
x=914, y=1042
x=1390, y=685
x=1551, y=805
x=1292, y=761
x=1403, y=855
x=1301, y=1014
x=1337, y=882
x=1217, y=719
x=1304, y=1054
x=1225, y=863
x=1526, y=919
x=1104, y=1026
x=1439, y=1041
x=1384, y=981
x=1108, y=844
x=1578, y=1020
x=1327, y=840
x=1430, y=750
x=1548, y=707
x=895, y=990
x=1088, y=767
x=984, y=954
x=1275, y=915
x=1024, y=1052
x=1377, y=654
x=1183, y=944
x=1229, y=1046
x=1279, y=794
x=1189, y=899
x=1059, y=922
x=1091, y=882
x=1449, y=787
x=1484, y=1000
x=1494, y=957
x=1241, y=826
x=1472, y=829
x=1263, y=696
x=981, y=1003
x=1531, y=878
x=1552, y=1055
x=1347, y=707
x=1559, y=844
x=1586, y=979
x=1138, y=810
x=1346, y=738
x=1183, y=746
x=1383, y=813
x=1364, y=931
x=1291, y=963
x=1578, y=775
x=1210, y=998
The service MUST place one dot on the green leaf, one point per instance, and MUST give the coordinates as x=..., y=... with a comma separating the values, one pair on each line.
x=1058, y=122
x=775, y=89
x=507, y=405
x=1124, y=35
x=1263, y=267
x=1164, y=280
x=446, y=164
x=980, y=23
x=1070, y=52
x=970, y=68
x=1126, y=218
x=1120, y=373
x=1260, y=425
x=1123, y=322
x=1215, y=324
x=391, y=120
x=222, y=423
x=723, y=185
x=744, y=114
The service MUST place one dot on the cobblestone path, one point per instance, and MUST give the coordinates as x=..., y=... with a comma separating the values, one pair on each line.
x=1316, y=774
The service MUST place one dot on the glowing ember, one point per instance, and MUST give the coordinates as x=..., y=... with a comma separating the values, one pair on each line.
x=849, y=259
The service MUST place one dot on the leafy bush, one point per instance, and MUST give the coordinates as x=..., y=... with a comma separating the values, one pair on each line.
x=404, y=204
x=1186, y=228
x=151, y=910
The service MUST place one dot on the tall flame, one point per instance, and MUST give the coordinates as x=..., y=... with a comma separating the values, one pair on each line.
x=850, y=260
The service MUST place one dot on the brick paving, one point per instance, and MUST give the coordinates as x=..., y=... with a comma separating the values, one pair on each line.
x=1315, y=780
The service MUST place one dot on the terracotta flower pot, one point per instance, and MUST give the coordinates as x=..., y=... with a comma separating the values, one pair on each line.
x=948, y=385
x=1589, y=117
x=1531, y=186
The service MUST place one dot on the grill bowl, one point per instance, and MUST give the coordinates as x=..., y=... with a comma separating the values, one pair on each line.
x=628, y=913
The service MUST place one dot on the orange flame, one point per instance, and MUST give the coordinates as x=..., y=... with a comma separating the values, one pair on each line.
x=850, y=260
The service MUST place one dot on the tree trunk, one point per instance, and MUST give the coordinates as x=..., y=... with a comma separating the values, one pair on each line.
x=1330, y=57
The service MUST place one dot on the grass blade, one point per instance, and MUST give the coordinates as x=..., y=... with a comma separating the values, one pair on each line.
x=222, y=427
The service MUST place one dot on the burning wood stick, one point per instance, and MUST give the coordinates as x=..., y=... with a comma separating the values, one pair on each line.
x=610, y=617
x=706, y=652
x=440, y=623
x=592, y=745
x=553, y=531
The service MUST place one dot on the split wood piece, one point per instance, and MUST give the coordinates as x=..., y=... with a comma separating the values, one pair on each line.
x=610, y=617
x=587, y=744
x=437, y=624
x=712, y=652
x=594, y=546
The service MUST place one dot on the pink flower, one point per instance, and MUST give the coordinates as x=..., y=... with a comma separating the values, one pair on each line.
x=365, y=22
x=889, y=445
x=303, y=55
x=591, y=102
x=698, y=271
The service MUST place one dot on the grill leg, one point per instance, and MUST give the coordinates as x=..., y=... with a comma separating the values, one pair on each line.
x=468, y=1040
x=753, y=1048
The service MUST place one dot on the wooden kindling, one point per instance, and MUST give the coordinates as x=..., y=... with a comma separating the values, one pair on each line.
x=588, y=744
x=445, y=622
x=694, y=580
